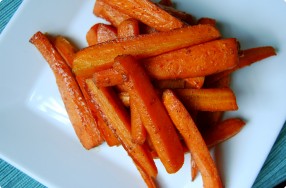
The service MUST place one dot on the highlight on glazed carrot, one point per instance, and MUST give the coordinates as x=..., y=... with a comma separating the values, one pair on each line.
x=99, y=33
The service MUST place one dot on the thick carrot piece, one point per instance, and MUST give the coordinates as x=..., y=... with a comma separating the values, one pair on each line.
x=79, y=114
x=194, y=140
x=108, y=135
x=221, y=99
x=170, y=84
x=128, y=28
x=110, y=14
x=101, y=56
x=138, y=130
x=200, y=60
x=146, y=12
x=246, y=58
x=116, y=116
x=222, y=131
x=160, y=128
x=65, y=48
x=99, y=33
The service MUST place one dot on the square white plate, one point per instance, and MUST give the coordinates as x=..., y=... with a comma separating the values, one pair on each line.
x=36, y=136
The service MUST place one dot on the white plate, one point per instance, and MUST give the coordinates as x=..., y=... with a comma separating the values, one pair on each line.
x=36, y=136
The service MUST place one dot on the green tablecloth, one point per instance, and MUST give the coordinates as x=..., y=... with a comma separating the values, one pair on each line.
x=273, y=173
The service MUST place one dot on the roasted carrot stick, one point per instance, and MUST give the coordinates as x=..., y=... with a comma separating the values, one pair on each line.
x=247, y=58
x=116, y=116
x=160, y=128
x=80, y=116
x=128, y=28
x=65, y=48
x=220, y=99
x=138, y=130
x=101, y=56
x=67, y=51
x=110, y=14
x=146, y=12
x=195, y=61
x=108, y=135
x=99, y=33
x=220, y=132
x=198, y=148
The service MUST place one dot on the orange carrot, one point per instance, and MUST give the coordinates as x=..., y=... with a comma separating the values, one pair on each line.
x=128, y=28
x=80, y=116
x=116, y=116
x=195, y=61
x=160, y=128
x=193, y=139
x=99, y=33
x=222, y=131
x=101, y=56
x=108, y=135
x=108, y=77
x=112, y=15
x=247, y=58
x=146, y=12
x=220, y=99
x=65, y=48
x=138, y=130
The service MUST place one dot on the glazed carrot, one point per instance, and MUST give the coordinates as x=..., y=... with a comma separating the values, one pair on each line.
x=223, y=81
x=209, y=21
x=80, y=116
x=222, y=131
x=110, y=14
x=138, y=130
x=146, y=12
x=160, y=128
x=247, y=58
x=124, y=97
x=116, y=116
x=67, y=51
x=108, y=135
x=195, y=82
x=101, y=56
x=220, y=99
x=128, y=28
x=65, y=48
x=195, y=61
x=193, y=139
x=99, y=33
